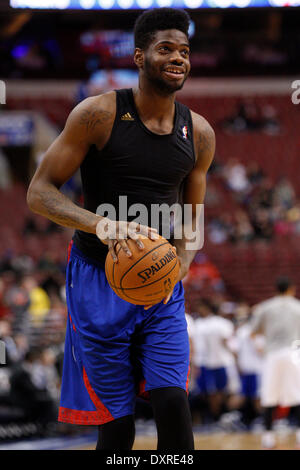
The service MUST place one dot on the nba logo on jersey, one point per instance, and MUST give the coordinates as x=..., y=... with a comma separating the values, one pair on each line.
x=184, y=132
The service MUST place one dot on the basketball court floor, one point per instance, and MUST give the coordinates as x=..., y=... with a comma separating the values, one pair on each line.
x=146, y=440
x=220, y=441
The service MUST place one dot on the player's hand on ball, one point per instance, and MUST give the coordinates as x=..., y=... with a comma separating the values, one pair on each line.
x=181, y=274
x=146, y=277
x=111, y=232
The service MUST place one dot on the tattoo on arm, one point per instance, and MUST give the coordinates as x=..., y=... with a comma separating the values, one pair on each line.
x=203, y=143
x=93, y=118
x=61, y=210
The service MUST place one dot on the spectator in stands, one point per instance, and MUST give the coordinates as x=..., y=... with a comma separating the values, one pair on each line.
x=220, y=229
x=245, y=119
x=249, y=117
x=202, y=273
x=54, y=325
x=264, y=195
x=18, y=300
x=281, y=224
x=30, y=227
x=46, y=375
x=52, y=283
x=263, y=227
x=47, y=262
x=236, y=177
x=22, y=263
x=293, y=216
x=284, y=193
x=212, y=197
x=29, y=391
x=270, y=122
x=266, y=209
x=11, y=349
x=254, y=173
x=22, y=343
x=243, y=230
x=39, y=301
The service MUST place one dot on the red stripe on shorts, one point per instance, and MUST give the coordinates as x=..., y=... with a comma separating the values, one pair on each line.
x=72, y=323
x=103, y=412
x=69, y=250
x=100, y=416
x=67, y=415
x=142, y=393
x=69, y=254
x=187, y=381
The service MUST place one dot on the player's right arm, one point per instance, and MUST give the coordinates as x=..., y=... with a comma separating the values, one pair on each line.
x=89, y=123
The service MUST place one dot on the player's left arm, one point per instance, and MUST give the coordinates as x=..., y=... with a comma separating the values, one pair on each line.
x=195, y=188
x=194, y=191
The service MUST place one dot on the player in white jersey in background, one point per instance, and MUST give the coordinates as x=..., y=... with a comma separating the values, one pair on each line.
x=198, y=357
x=213, y=357
x=191, y=331
x=249, y=354
x=278, y=319
x=197, y=397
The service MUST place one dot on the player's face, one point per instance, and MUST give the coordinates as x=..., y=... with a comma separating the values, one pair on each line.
x=166, y=60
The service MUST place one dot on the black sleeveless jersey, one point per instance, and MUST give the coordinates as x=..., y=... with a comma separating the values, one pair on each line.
x=146, y=167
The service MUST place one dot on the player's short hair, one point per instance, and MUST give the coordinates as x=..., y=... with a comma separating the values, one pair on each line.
x=283, y=284
x=159, y=19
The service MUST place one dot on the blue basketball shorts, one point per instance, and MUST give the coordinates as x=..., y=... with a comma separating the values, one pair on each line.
x=201, y=380
x=213, y=380
x=116, y=351
x=249, y=385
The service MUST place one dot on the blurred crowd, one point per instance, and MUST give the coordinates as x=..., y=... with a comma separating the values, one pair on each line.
x=262, y=209
x=249, y=117
x=32, y=325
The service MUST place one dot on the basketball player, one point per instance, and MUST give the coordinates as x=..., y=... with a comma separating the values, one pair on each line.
x=249, y=354
x=278, y=319
x=214, y=332
x=143, y=144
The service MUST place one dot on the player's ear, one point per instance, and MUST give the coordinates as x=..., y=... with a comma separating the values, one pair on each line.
x=138, y=57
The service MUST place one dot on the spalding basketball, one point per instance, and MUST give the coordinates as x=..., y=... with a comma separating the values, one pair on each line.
x=148, y=275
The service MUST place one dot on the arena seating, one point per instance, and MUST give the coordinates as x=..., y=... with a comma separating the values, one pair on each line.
x=13, y=213
x=249, y=271
x=276, y=154
x=56, y=109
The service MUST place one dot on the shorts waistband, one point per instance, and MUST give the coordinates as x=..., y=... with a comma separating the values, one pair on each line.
x=76, y=252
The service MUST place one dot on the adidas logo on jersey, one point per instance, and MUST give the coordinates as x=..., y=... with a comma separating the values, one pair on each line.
x=127, y=117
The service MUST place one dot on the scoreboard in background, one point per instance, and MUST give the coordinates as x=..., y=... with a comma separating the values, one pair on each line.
x=136, y=4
